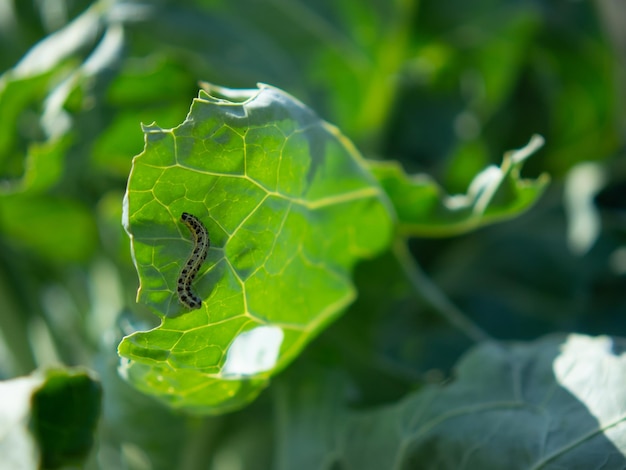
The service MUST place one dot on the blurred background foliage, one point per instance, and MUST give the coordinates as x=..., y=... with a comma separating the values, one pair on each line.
x=443, y=86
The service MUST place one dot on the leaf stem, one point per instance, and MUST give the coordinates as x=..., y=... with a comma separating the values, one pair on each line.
x=429, y=293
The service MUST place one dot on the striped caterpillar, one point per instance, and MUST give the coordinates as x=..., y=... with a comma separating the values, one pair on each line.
x=193, y=263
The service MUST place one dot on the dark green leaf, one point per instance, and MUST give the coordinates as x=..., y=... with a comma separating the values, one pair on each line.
x=48, y=419
x=64, y=417
x=518, y=406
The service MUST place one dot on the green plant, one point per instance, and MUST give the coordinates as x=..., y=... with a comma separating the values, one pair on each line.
x=354, y=314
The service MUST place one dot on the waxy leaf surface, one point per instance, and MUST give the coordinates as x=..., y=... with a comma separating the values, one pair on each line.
x=289, y=207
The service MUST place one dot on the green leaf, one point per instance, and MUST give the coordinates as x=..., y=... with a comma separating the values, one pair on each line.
x=42, y=165
x=289, y=206
x=61, y=230
x=48, y=418
x=517, y=406
x=494, y=195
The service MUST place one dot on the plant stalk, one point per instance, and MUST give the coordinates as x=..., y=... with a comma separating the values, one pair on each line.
x=428, y=292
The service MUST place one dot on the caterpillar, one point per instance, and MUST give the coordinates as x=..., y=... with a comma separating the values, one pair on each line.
x=193, y=263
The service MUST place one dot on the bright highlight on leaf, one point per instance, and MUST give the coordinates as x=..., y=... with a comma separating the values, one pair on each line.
x=290, y=207
x=253, y=352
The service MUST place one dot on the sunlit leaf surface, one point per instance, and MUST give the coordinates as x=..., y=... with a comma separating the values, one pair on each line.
x=289, y=207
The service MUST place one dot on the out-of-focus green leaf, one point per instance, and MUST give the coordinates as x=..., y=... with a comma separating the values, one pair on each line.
x=65, y=412
x=494, y=195
x=28, y=162
x=517, y=406
x=344, y=55
x=583, y=118
x=59, y=46
x=44, y=164
x=47, y=420
x=42, y=94
x=492, y=50
x=289, y=206
x=145, y=91
x=17, y=97
x=60, y=230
